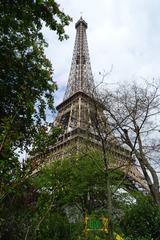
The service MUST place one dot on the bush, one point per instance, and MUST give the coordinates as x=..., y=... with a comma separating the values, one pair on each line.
x=142, y=220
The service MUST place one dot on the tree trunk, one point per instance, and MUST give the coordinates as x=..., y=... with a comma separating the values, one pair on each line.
x=145, y=165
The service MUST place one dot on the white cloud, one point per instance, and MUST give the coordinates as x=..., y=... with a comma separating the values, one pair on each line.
x=125, y=33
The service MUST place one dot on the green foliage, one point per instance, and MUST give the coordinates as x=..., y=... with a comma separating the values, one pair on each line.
x=138, y=238
x=16, y=211
x=49, y=221
x=26, y=94
x=51, y=204
x=78, y=183
x=43, y=139
x=31, y=214
x=142, y=220
x=26, y=84
x=80, y=179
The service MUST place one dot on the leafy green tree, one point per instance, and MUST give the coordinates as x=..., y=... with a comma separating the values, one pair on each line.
x=142, y=220
x=29, y=214
x=26, y=93
x=26, y=83
x=55, y=226
x=26, y=74
x=78, y=179
x=77, y=184
x=17, y=209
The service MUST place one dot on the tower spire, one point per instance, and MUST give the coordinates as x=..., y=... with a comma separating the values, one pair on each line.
x=80, y=77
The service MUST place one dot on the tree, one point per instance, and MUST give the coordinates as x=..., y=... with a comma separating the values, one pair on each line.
x=26, y=84
x=101, y=130
x=26, y=93
x=131, y=112
x=142, y=219
x=28, y=213
x=103, y=134
x=77, y=184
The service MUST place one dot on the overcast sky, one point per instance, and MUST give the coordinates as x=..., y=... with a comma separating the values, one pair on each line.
x=122, y=33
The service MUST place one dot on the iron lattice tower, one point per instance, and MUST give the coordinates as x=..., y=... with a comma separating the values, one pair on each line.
x=77, y=111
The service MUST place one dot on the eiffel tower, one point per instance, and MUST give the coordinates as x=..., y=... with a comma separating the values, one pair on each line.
x=76, y=113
